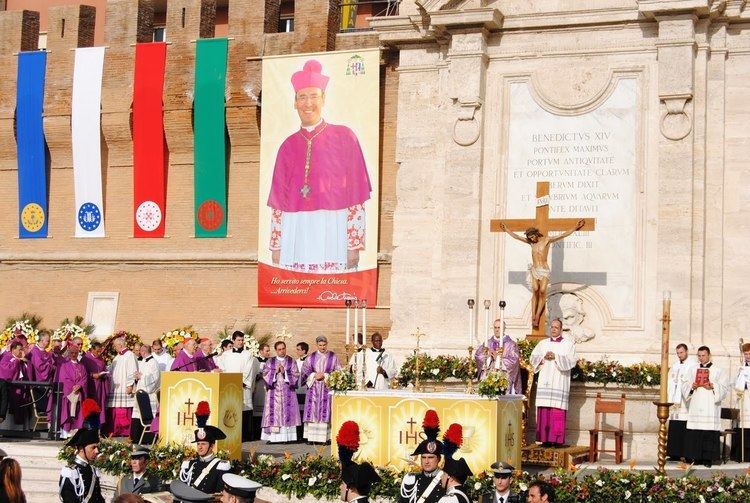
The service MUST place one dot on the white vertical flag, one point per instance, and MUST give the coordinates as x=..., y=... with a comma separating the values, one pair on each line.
x=87, y=159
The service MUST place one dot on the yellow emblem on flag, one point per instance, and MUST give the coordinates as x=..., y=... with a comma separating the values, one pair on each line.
x=32, y=217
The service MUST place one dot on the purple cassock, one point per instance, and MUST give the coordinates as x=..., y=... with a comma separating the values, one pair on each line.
x=205, y=364
x=185, y=361
x=70, y=374
x=98, y=389
x=42, y=368
x=281, y=407
x=317, y=401
x=13, y=369
x=510, y=362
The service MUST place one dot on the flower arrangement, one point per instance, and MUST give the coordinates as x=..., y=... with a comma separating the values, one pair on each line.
x=131, y=340
x=171, y=338
x=25, y=327
x=69, y=330
x=612, y=372
x=252, y=344
x=495, y=384
x=525, y=347
x=318, y=476
x=341, y=381
x=438, y=368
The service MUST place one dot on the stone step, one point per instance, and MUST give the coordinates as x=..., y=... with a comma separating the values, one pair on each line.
x=42, y=497
x=39, y=486
x=34, y=473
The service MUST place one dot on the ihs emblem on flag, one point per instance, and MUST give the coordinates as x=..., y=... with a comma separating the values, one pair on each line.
x=89, y=216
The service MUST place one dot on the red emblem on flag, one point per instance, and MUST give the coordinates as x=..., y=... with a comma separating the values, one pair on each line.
x=210, y=215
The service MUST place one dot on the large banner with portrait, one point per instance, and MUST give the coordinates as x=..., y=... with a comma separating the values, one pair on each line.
x=318, y=228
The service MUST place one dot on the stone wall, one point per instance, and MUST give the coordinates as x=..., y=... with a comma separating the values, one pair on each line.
x=177, y=280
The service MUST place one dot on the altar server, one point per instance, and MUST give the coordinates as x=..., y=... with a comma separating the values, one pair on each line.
x=741, y=385
x=237, y=359
x=74, y=378
x=705, y=388
x=161, y=355
x=553, y=359
x=148, y=380
x=678, y=372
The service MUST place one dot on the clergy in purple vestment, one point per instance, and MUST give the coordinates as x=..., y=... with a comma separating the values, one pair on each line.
x=206, y=363
x=281, y=410
x=319, y=187
x=508, y=360
x=13, y=368
x=99, y=385
x=42, y=368
x=185, y=359
x=74, y=379
x=317, y=414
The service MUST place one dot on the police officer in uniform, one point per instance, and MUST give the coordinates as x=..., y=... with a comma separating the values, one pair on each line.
x=204, y=472
x=425, y=486
x=79, y=481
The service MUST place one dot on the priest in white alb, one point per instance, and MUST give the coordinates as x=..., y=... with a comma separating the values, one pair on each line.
x=742, y=389
x=238, y=359
x=678, y=415
x=120, y=401
x=379, y=365
x=553, y=359
x=704, y=389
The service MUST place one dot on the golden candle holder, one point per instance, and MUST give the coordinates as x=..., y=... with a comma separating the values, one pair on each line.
x=662, y=413
x=418, y=334
x=472, y=370
x=662, y=406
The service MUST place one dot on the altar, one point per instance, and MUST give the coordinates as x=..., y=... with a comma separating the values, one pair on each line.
x=390, y=423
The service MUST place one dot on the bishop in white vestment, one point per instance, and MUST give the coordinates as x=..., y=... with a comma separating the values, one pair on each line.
x=379, y=365
x=678, y=416
x=704, y=389
x=553, y=359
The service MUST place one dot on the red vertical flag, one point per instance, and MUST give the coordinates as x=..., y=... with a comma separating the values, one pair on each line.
x=149, y=148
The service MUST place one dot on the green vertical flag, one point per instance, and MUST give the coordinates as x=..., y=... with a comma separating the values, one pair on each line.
x=209, y=138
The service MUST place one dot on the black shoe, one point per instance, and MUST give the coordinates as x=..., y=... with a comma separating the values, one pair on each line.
x=708, y=464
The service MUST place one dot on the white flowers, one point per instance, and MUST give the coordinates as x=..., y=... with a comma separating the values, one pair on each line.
x=648, y=378
x=311, y=481
x=625, y=481
x=628, y=494
x=435, y=371
x=701, y=498
x=600, y=482
x=286, y=477
x=477, y=486
x=523, y=487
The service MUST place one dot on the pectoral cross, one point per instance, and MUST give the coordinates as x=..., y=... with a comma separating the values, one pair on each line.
x=305, y=190
x=545, y=225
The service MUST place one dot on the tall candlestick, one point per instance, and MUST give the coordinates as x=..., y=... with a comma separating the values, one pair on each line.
x=498, y=358
x=348, y=320
x=364, y=322
x=356, y=322
x=665, y=320
x=487, y=304
x=470, y=303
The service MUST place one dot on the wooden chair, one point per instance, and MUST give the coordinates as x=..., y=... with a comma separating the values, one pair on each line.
x=602, y=407
x=733, y=415
x=39, y=409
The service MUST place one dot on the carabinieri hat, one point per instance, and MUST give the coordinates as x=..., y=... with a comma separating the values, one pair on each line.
x=431, y=428
x=360, y=476
x=89, y=433
x=206, y=433
x=456, y=468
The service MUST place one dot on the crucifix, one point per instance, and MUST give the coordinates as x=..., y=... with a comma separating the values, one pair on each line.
x=537, y=236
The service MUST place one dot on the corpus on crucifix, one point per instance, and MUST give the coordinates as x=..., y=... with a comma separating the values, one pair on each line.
x=536, y=235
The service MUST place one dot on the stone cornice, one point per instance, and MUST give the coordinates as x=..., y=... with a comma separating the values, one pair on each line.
x=651, y=8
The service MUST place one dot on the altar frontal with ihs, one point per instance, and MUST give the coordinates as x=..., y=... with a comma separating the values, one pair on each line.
x=180, y=394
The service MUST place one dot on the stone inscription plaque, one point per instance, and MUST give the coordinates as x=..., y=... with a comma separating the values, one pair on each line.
x=590, y=162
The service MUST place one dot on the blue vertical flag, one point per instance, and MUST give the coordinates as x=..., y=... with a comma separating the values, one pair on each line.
x=32, y=156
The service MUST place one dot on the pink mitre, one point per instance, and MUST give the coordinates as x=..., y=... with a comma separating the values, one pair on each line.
x=310, y=76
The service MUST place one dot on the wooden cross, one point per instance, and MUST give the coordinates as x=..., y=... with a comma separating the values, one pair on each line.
x=545, y=224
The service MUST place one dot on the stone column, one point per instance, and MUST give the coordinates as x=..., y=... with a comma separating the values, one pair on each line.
x=19, y=31
x=69, y=27
x=127, y=22
x=186, y=20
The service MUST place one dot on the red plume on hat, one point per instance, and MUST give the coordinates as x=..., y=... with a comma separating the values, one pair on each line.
x=201, y=414
x=348, y=441
x=452, y=439
x=431, y=425
x=90, y=411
